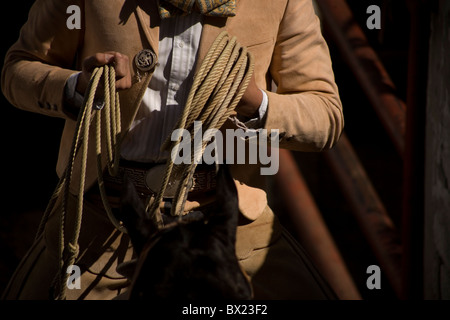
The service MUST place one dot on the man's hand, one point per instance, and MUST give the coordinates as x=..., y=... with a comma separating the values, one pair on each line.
x=250, y=101
x=121, y=65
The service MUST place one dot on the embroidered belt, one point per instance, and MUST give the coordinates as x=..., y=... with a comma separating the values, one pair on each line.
x=147, y=178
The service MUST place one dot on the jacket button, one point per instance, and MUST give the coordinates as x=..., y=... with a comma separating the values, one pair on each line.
x=145, y=60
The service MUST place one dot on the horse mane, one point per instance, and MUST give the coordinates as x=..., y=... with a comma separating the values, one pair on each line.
x=189, y=258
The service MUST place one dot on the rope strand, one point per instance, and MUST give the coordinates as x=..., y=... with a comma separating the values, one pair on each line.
x=217, y=88
x=110, y=117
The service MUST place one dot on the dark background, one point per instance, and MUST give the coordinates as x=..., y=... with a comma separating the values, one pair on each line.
x=29, y=149
x=29, y=146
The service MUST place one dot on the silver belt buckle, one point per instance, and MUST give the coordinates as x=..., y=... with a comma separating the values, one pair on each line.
x=154, y=178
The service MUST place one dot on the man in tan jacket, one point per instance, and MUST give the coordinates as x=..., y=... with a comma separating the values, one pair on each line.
x=49, y=66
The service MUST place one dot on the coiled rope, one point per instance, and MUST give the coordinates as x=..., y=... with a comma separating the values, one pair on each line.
x=217, y=88
x=108, y=119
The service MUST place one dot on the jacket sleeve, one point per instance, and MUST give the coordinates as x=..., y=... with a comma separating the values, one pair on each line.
x=38, y=65
x=306, y=109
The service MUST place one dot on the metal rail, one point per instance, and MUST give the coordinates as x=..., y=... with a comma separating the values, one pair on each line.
x=414, y=165
x=368, y=210
x=367, y=68
x=399, y=254
x=311, y=229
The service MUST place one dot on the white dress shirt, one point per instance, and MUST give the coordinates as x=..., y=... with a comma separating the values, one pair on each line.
x=163, y=101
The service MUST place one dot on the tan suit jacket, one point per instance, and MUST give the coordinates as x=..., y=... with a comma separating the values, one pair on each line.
x=283, y=35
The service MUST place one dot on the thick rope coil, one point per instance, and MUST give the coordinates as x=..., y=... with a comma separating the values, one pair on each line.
x=108, y=119
x=217, y=88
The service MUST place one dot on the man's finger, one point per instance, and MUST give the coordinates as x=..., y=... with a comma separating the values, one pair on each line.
x=121, y=65
x=98, y=60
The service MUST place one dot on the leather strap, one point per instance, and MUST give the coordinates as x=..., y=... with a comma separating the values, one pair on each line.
x=147, y=179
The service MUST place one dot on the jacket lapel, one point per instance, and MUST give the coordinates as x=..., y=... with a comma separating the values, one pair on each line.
x=149, y=20
x=212, y=27
x=148, y=16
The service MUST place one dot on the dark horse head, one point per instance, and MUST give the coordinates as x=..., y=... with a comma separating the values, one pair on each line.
x=192, y=258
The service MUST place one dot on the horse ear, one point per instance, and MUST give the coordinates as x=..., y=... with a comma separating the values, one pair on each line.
x=226, y=188
x=134, y=216
x=225, y=216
